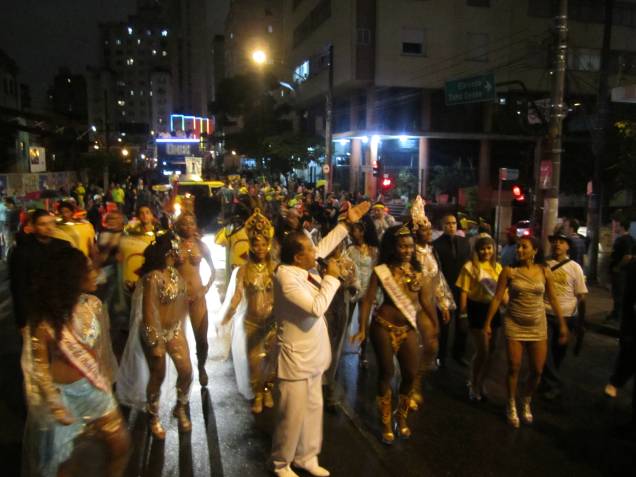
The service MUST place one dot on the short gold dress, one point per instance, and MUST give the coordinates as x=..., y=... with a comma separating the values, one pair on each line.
x=525, y=318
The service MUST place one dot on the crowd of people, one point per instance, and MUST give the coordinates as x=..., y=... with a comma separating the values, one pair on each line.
x=309, y=274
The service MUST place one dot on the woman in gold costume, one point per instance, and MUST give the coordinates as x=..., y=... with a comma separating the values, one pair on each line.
x=407, y=308
x=68, y=366
x=250, y=308
x=191, y=251
x=159, y=310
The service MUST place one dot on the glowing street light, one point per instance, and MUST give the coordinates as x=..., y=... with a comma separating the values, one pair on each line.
x=124, y=152
x=259, y=57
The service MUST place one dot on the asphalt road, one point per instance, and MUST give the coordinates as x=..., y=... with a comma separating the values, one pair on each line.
x=451, y=436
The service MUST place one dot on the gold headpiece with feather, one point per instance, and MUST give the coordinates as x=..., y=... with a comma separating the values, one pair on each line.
x=418, y=215
x=257, y=225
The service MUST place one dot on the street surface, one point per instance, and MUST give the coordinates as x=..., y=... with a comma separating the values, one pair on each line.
x=451, y=436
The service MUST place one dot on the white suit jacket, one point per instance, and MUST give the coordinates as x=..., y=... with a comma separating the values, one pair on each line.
x=299, y=308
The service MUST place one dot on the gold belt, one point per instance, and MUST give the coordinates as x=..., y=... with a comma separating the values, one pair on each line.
x=397, y=333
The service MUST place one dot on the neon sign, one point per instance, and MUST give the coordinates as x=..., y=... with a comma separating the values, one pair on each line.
x=198, y=125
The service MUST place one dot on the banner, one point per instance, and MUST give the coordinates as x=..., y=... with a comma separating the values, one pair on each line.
x=37, y=159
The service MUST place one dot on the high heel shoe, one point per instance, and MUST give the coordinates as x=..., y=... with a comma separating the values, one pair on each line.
x=384, y=408
x=511, y=413
x=401, y=414
x=154, y=423
x=203, y=375
x=526, y=411
x=180, y=412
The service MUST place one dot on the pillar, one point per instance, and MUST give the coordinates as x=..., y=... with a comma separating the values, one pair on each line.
x=371, y=111
x=484, y=186
x=423, y=166
x=355, y=164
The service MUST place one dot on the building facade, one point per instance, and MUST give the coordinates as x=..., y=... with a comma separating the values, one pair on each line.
x=393, y=58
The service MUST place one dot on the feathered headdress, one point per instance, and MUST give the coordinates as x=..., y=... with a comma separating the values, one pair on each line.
x=257, y=225
x=418, y=216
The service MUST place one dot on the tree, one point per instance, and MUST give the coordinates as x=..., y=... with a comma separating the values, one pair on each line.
x=449, y=179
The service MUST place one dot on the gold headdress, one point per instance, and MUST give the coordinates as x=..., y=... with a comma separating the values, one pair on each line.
x=418, y=216
x=403, y=231
x=257, y=225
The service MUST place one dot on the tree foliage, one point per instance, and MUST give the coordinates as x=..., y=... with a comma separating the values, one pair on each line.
x=449, y=179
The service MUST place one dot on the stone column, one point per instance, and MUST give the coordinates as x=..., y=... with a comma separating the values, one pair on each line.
x=423, y=166
x=355, y=163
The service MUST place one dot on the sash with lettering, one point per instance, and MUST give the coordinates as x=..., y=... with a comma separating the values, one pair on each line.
x=81, y=359
x=400, y=299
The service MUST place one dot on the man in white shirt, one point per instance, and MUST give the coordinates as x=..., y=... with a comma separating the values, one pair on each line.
x=570, y=289
x=301, y=298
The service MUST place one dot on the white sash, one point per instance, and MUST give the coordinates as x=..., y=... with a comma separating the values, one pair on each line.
x=400, y=299
x=81, y=359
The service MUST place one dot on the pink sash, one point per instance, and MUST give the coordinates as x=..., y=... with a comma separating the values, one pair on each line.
x=81, y=359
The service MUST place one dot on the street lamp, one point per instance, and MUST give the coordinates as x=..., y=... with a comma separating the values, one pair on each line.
x=124, y=152
x=259, y=57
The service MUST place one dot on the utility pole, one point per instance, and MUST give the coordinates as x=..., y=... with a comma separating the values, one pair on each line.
x=552, y=151
x=329, y=123
x=599, y=143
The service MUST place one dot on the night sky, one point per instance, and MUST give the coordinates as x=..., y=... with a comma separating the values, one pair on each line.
x=42, y=35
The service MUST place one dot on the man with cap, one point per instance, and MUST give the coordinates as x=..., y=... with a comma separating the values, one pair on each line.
x=570, y=291
x=381, y=219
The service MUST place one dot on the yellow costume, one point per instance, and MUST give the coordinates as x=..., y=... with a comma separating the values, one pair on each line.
x=131, y=247
x=80, y=235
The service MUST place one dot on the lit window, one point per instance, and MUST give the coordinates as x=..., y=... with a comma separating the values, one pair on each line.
x=118, y=41
x=106, y=42
x=164, y=32
x=139, y=41
x=130, y=30
x=150, y=93
x=270, y=29
x=301, y=73
x=141, y=92
x=154, y=52
x=123, y=113
x=121, y=102
x=164, y=53
x=231, y=36
x=132, y=93
x=68, y=80
x=160, y=120
x=130, y=61
x=148, y=32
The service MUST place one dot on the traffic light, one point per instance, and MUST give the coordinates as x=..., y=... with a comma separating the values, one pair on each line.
x=387, y=182
x=517, y=193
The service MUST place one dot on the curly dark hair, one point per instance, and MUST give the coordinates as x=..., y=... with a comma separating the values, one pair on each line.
x=368, y=229
x=388, y=248
x=155, y=254
x=58, y=286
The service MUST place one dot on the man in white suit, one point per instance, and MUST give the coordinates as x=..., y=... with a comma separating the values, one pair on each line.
x=301, y=299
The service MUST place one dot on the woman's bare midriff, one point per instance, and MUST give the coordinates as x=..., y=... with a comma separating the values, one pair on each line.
x=391, y=314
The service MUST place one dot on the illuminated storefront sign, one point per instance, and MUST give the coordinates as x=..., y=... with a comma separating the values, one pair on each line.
x=198, y=125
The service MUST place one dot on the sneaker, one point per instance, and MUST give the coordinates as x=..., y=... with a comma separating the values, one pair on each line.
x=610, y=390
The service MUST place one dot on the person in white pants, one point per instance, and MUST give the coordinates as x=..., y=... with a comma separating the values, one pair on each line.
x=301, y=298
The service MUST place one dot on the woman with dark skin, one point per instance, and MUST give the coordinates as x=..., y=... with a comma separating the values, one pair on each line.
x=160, y=307
x=68, y=365
x=525, y=322
x=392, y=332
x=254, y=283
x=191, y=251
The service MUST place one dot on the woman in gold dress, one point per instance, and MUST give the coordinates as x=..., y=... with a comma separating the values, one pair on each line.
x=250, y=308
x=191, y=251
x=407, y=309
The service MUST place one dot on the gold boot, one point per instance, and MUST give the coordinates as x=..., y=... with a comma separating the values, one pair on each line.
x=384, y=408
x=181, y=411
x=157, y=430
x=257, y=404
x=401, y=415
x=268, y=398
x=415, y=396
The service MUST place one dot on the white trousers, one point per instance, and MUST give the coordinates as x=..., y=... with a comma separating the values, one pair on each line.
x=298, y=434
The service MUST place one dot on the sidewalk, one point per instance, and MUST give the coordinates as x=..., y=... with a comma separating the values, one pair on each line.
x=599, y=304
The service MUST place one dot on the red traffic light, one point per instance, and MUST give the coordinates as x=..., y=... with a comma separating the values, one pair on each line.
x=386, y=182
x=516, y=191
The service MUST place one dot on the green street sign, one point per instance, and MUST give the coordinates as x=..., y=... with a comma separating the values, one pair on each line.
x=470, y=90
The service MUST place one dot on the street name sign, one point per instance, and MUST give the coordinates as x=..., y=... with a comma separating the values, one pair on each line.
x=470, y=90
x=506, y=174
